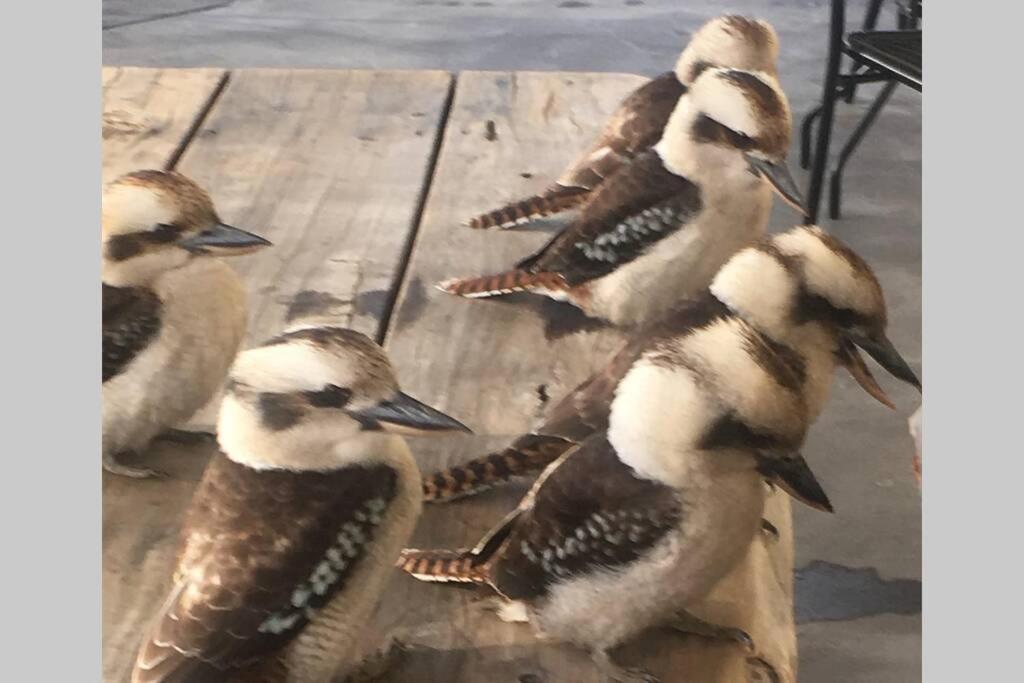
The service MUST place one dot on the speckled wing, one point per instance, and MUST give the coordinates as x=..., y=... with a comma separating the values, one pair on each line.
x=642, y=204
x=588, y=513
x=131, y=321
x=636, y=125
x=261, y=552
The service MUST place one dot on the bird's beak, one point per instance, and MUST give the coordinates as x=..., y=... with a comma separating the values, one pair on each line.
x=852, y=361
x=793, y=475
x=885, y=354
x=224, y=240
x=402, y=414
x=778, y=176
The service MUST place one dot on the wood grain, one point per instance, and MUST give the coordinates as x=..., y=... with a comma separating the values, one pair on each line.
x=495, y=364
x=148, y=114
x=328, y=165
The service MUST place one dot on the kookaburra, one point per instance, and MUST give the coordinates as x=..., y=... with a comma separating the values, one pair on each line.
x=732, y=42
x=173, y=316
x=297, y=522
x=661, y=226
x=585, y=411
x=638, y=521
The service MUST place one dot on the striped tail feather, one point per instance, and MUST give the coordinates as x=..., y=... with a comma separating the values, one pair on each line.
x=554, y=200
x=504, y=283
x=529, y=454
x=442, y=566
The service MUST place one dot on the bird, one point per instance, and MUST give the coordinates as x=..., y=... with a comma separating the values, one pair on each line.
x=661, y=226
x=640, y=519
x=584, y=411
x=729, y=41
x=173, y=315
x=297, y=520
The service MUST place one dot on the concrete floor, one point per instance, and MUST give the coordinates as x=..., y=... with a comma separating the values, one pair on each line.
x=858, y=577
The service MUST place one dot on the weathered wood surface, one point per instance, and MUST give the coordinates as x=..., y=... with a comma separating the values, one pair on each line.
x=148, y=114
x=495, y=364
x=330, y=165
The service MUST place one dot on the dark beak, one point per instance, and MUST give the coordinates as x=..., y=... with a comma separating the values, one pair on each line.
x=224, y=239
x=792, y=474
x=778, y=176
x=885, y=354
x=403, y=414
x=852, y=361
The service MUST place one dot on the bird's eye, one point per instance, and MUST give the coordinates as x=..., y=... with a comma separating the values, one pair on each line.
x=331, y=396
x=165, y=232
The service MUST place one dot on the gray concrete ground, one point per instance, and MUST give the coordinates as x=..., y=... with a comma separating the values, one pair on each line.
x=858, y=578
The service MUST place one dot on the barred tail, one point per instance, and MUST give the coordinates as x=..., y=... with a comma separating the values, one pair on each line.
x=443, y=566
x=504, y=283
x=531, y=453
x=554, y=200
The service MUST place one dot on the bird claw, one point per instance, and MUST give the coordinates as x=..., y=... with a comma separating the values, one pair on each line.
x=620, y=674
x=686, y=623
x=769, y=529
x=186, y=437
x=113, y=465
x=379, y=663
x=760, y=671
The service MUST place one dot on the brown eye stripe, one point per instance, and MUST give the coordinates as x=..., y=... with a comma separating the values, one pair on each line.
x=123, y=247
x=706, y=129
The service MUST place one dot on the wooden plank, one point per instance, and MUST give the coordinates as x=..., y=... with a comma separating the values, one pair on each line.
x=493, y=364
x=148, y=114
x=328, y=165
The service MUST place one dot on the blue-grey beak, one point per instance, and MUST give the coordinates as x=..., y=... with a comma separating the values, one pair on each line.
x=778, y=176
x=404, y=414
x=224, y=240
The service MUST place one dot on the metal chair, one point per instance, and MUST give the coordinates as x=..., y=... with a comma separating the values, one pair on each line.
x=892, y=57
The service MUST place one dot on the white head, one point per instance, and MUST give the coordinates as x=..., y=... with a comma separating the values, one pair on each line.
x=155, y=221
x=730, y=41
x=733, y=129
x=318, y=398
x=805, y=284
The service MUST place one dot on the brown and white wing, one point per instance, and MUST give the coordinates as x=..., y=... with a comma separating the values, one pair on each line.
x=636, y=125
x=642, y=204
x=131, y=321
x=588, y=513
x=262, y=552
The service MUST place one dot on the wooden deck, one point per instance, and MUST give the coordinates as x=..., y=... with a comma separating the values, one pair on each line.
x=362, y=179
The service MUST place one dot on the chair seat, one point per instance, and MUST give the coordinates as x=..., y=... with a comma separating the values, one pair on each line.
x=898, y=52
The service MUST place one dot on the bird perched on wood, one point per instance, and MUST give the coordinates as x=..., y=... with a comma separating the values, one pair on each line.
x=661, y=226
x=640, y=519
x=730, y=41
x=173, y=317
x=297, y=521
x=585, y=411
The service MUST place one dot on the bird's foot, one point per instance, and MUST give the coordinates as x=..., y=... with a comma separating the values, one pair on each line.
x=620, y=674
x=769, y=530
x=760, y=671
x=379, y=663
x=684, y=622
x=186, y=437
x=112, y=463
x=511, y=612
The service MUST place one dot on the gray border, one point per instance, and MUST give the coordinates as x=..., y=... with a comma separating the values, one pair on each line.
x=972, y=308
x=51, y=505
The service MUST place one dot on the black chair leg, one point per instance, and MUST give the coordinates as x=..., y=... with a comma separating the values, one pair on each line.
x=836, y=181
x=806, y=133
x=828, y=101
